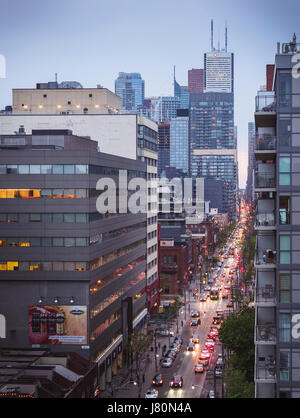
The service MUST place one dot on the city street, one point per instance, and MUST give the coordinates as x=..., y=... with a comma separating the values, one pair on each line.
x=194, y=384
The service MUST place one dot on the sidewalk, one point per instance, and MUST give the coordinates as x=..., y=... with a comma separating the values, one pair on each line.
x=122, y=387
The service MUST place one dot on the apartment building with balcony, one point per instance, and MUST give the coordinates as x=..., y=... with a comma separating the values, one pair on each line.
x=277, y=261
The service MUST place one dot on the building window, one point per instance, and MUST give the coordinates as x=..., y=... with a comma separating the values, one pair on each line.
x=284, y=171
x=284, y=288
x=285, y=89
x=284, y=327
x=284, y=131
x=284, y=365
x=284, y=210
x=285, y=249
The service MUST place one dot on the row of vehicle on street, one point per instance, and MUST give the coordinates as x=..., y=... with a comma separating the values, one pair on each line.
x=218, y=287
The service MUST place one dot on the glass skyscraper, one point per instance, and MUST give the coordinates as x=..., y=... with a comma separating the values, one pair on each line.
x=181, y=93
x=213, y=145
x=179, y=143
x=131, y=88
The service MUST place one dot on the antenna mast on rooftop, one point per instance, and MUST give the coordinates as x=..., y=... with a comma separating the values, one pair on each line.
x=226, y=36
x=212, y=35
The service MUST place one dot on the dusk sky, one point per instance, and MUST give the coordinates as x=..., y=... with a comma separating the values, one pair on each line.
x=91, y=41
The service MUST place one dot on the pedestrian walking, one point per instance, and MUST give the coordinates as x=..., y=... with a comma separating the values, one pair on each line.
x=144, y=378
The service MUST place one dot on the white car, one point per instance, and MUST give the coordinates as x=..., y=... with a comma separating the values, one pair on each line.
x=167, y=362
x=211, y=394
x=151, y=393
x=166, y=333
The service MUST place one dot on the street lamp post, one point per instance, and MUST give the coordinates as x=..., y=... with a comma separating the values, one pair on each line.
x=199, y=386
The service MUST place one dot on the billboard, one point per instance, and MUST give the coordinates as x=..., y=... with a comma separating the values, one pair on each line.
x=57, y=324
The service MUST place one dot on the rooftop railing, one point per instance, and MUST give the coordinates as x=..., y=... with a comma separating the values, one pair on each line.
x=290, y=48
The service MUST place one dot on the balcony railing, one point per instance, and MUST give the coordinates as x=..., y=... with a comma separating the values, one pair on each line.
x=266, y=333
x=265, y=294
x=284, y=217
x=265, y=103
x=265, y=142
x=266, y=372
x=265, y=219
x=266, y=257
x=264, y=180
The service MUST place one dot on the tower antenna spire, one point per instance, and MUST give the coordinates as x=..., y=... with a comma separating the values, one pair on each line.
x=212, y=35
x=226, y=36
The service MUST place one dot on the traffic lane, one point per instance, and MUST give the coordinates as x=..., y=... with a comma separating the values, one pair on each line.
x=185, y=361
x=187, y=369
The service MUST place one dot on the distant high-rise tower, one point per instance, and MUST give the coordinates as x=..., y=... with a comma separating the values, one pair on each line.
x=182, y=93
x=196, y=80
x=213, y=139
x=131, y=88
x=218, y=68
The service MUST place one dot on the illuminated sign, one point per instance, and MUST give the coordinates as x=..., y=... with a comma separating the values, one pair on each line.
x=58, y=325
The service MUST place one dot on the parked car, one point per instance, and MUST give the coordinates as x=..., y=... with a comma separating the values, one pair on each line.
x=175, y=347
x=218, y=371
x=151, y=393
x=166, y=333
x=171, y=353
x=211, y=394
x=167, y=362
x=178, y=339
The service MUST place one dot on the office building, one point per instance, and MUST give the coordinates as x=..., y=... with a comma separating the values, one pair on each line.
x=182, y=93
x=277, y=182
x=218, y=72
x=179, y=141
x=131, y=88
x=122, y=135
x=219, y=67
x=161, y=109
x=163, y=147
x=196, y=80
x=72, y=279
x=213, y=148
x=215, y=194
x=66, y=98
